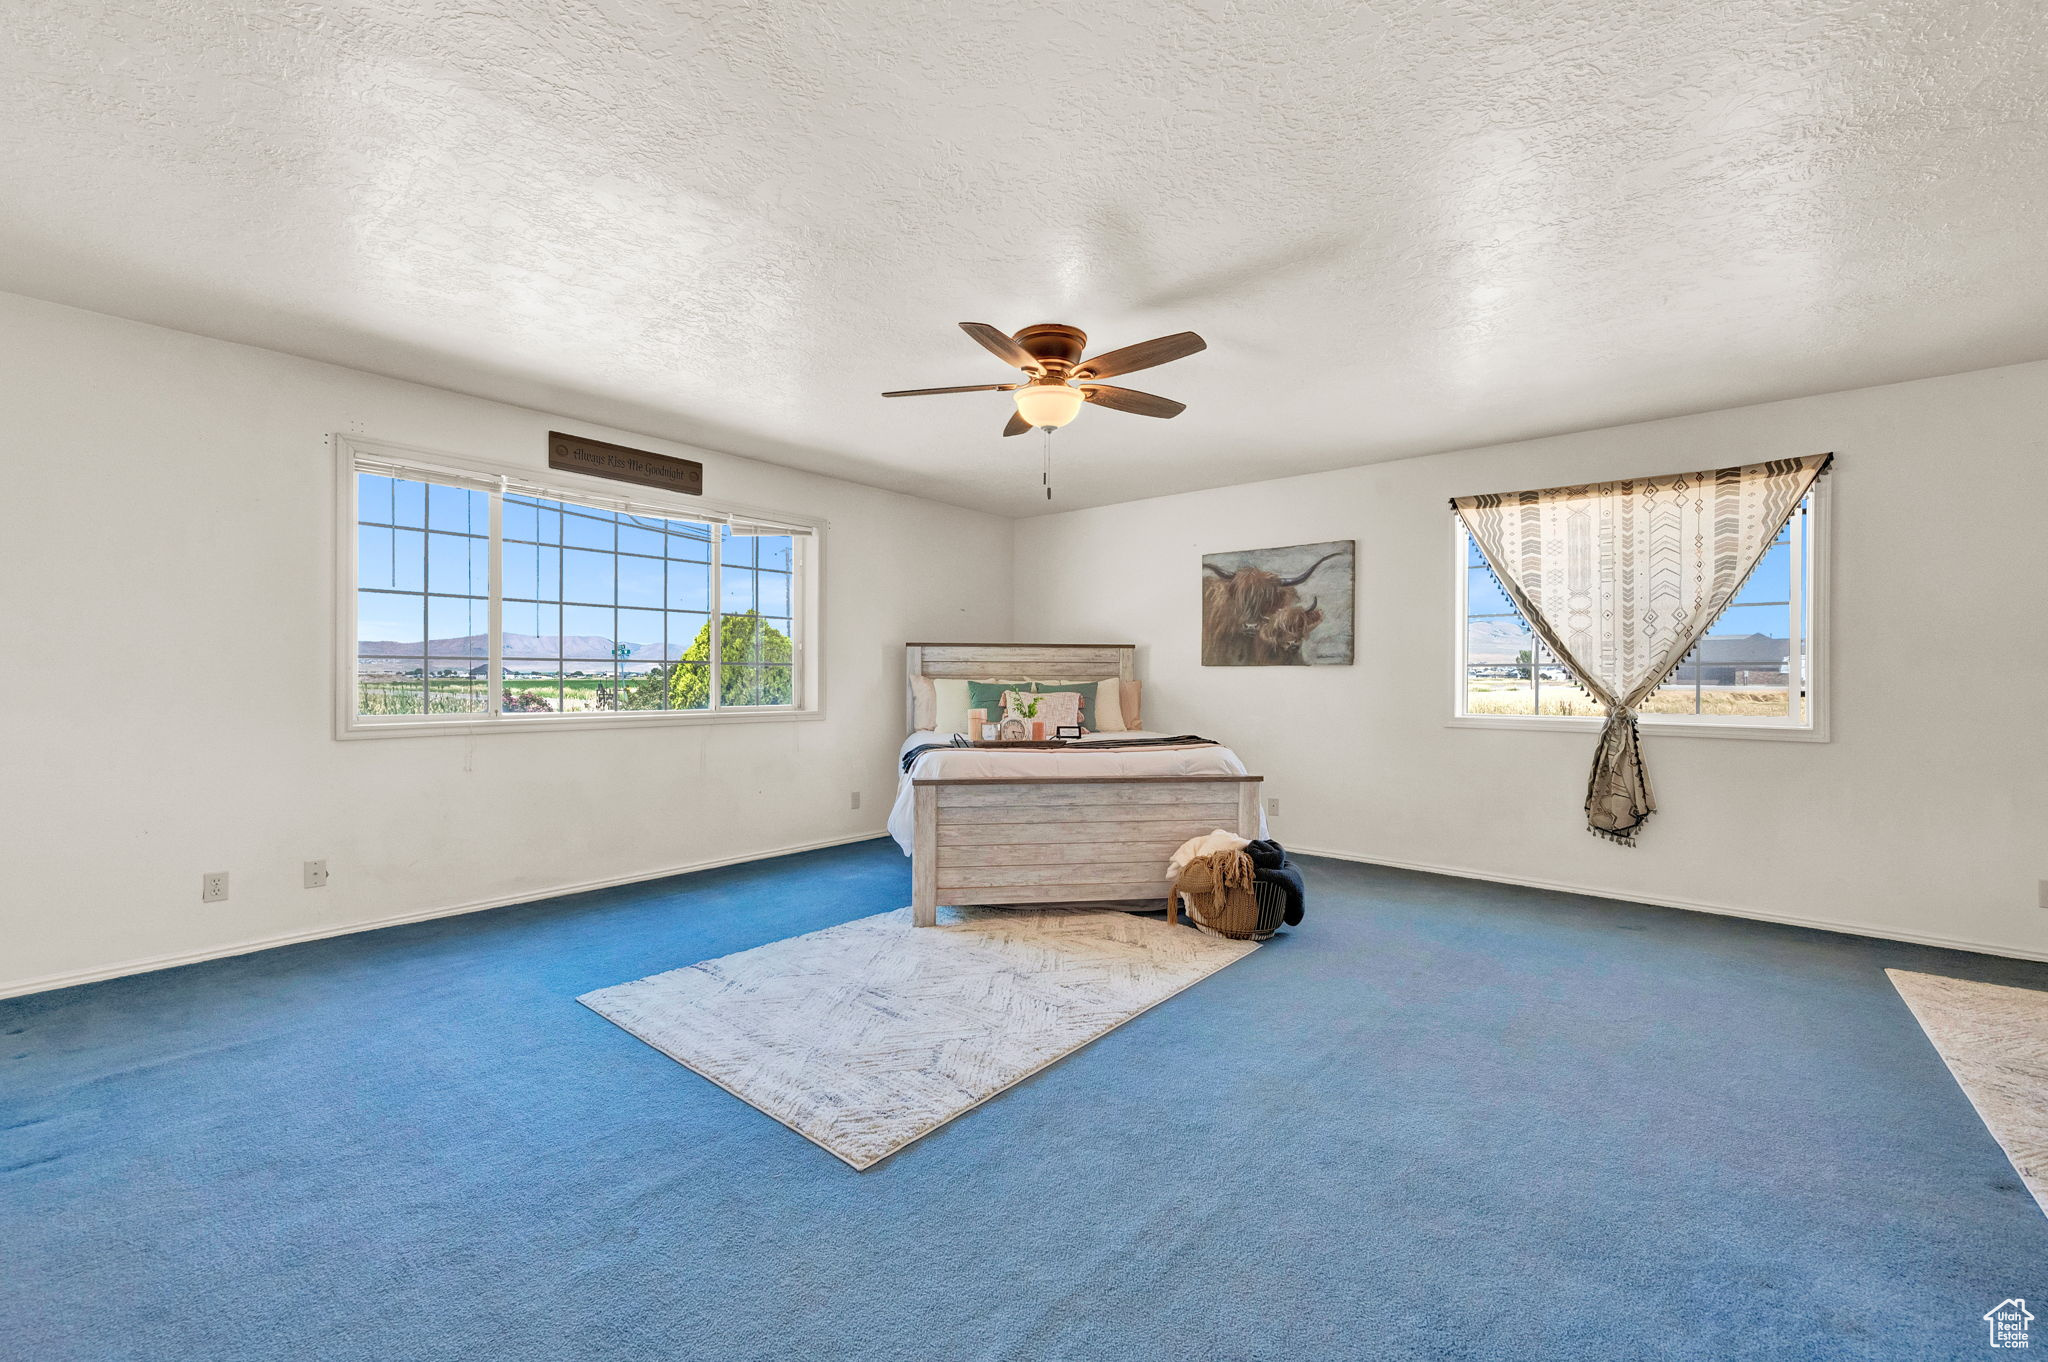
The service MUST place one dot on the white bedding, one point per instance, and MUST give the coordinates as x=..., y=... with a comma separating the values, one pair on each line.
x=955, y=763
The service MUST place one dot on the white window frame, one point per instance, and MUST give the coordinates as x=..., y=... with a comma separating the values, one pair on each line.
x=807, y=554
x=1811, y=612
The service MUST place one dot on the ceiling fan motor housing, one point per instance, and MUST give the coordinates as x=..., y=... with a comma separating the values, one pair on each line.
x=1057, y=348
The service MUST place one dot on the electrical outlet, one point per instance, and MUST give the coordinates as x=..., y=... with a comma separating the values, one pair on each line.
x=316, y=874
x=856, y=800
x=1273, y=807
x=213, y=886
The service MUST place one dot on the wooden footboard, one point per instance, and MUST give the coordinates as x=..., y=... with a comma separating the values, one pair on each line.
x=1061, y=839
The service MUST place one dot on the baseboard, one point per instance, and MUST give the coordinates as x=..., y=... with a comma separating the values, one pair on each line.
x=89, y=976
x=1690, y=905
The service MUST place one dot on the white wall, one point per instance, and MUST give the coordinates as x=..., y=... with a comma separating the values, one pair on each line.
x=166, y=551
x=167, y=531
x=1925, y=817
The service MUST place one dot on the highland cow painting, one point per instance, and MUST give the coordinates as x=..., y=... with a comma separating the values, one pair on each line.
x=1286, y=607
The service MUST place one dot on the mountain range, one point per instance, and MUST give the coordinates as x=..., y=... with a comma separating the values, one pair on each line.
x=585, y=646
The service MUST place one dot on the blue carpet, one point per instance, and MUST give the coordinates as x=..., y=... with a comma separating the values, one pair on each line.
x=1443, y=1119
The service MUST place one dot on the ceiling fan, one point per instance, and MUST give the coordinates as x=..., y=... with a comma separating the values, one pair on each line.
x=1061, y=380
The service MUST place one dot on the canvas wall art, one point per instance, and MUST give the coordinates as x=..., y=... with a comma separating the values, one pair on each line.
x=1286, y=607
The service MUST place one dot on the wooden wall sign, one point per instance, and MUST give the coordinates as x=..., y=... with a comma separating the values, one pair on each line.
x=577, y=454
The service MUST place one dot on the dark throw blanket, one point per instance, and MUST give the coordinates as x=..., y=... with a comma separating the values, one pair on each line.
x=1124, y=745
x=1270, y=864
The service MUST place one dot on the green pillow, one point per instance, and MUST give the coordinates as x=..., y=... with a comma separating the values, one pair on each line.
x=988, y=695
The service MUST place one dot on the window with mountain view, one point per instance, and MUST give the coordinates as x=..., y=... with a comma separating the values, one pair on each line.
x=1754, y=666
x=599, y=610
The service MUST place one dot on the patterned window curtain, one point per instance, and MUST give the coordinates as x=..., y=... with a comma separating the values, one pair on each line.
x=1621, y=580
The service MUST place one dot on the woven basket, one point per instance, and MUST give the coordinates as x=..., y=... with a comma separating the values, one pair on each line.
x=1244, y=915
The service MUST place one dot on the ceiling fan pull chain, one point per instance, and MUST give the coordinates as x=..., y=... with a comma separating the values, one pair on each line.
x=1048, y=463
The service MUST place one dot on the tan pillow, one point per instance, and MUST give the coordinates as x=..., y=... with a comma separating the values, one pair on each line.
x=1109, y=707
x=1128, y=696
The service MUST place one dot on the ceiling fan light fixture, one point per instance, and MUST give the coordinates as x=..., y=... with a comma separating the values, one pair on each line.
x=1048, y=405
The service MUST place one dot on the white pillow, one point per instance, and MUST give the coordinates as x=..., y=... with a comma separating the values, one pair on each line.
x=950, y=711
x=949, y=714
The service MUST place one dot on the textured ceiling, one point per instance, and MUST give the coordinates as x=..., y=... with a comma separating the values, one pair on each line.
x=1403, y=226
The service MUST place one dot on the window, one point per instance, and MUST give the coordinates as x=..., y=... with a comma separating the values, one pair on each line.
x=1756, y=672
x=489, y=600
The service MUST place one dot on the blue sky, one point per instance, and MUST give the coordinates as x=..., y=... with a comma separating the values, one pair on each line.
x=438, y=544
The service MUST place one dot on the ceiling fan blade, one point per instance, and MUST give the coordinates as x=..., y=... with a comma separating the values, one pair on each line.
x=1143, y=355
x=975, y=388
x=1131, y=400
x=1018, y=425
x=1002, y=347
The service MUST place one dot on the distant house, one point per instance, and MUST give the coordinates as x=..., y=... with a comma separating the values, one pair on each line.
x=1748, y=659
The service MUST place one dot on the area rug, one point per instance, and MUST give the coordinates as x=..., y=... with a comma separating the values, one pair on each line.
x=867, y=1036
x=1994, y=1039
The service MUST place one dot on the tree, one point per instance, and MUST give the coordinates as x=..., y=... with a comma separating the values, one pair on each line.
x=1525, y=663
x=755, y=669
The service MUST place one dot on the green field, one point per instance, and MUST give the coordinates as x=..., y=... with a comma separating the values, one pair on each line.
x=386, y=695
x=1508, y=696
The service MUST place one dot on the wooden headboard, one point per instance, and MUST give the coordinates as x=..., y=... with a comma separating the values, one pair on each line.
x=1012, y=662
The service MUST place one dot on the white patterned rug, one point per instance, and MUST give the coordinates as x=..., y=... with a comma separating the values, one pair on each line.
x=866, y=1036
x=1994, y=1040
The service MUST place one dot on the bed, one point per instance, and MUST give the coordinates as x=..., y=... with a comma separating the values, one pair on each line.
x=994, y=826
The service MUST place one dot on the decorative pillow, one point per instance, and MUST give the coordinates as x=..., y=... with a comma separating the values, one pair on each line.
x=1080, y=691
x=988, y=695
x=1104, y=706
x=1051, y=708
x=1109, y=709
x=949, y=705
x=1128, y=696
x=924, y=703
